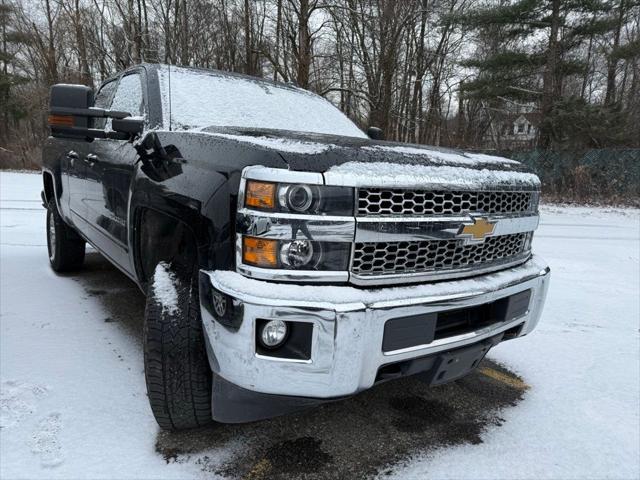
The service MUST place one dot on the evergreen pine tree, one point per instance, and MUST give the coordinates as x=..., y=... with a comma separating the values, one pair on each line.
x=531, y=48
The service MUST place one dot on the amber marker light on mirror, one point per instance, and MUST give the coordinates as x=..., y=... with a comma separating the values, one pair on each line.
x=61, y=120
x=260, y=195
x=260, y=252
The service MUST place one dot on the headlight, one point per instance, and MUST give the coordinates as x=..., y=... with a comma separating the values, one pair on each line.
x=295, y=254
x=299, y=198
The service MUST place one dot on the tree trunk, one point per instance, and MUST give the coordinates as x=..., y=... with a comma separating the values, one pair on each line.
x=185, y=54
x=4, y=131
x=550, y=76
x=249, y=65
x=85, y=73
x=588, y=62
x=612, y=62
x=390, y=31
x=148, y=54
x=414, y=127
x=137, y=39
x=278, y=33
x=304, y=45
x=460, y=143
x=52, y=65
x=167, y=34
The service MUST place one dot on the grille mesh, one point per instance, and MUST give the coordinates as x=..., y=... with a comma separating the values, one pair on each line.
x=378, y=201
x=385, y=258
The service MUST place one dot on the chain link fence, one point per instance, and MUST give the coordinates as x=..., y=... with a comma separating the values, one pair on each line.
x=609, y=176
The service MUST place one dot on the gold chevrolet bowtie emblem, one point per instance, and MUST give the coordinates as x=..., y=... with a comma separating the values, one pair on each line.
x=480, y=229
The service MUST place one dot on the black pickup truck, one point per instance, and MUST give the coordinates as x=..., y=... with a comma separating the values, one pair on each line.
x=287, y=258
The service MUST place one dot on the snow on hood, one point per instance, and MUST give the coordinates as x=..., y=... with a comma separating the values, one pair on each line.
x=481, y=157
x=442, y=156
x=382, y=174
x=274, y=143
x=351, y=161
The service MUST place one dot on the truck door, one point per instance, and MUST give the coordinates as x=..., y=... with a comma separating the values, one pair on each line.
x=76, y=175
x=111, y=165
x=73, y=175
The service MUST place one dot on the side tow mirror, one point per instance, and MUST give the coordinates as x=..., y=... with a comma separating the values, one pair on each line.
x=375, y=133
x=71, y=115
x=130, y=125
x=64, y=101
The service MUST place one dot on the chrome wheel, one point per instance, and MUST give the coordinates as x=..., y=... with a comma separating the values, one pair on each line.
x=51, y=233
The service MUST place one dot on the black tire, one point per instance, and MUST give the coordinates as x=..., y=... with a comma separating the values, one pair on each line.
x=176, y=368
x=66, y=248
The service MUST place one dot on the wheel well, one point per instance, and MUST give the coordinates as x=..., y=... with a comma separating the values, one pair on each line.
x=49, y=192
x=162, y=238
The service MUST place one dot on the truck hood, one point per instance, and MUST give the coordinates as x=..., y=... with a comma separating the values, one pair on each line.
x=364, y=162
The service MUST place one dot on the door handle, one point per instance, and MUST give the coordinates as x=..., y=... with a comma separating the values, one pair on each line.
x=91, y=159
x=72, y=157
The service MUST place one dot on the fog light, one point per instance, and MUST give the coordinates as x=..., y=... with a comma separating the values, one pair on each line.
x=297, y=253
x=273, y=333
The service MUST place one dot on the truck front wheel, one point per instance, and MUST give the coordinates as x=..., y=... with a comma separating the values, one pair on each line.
x=66, y=248
x=176, y=367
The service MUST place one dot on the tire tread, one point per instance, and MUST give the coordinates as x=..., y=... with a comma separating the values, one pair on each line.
x=69, y=248
x=177, y=371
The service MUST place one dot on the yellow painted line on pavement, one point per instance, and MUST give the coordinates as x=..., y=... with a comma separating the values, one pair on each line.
x=260, y=470
x=510, y=380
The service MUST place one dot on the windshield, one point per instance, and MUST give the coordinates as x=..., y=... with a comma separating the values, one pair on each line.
x=204, y=99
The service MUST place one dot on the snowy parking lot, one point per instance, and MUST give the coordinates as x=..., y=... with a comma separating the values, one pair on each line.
x=562, y=402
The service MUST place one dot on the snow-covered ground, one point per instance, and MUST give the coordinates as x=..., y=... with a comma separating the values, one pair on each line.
x=581, y=417
x=72, y=394
x=73, y=399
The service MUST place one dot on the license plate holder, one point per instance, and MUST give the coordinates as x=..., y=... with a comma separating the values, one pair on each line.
x=455, y=364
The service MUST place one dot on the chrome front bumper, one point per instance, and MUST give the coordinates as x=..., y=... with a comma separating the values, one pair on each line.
x=348, y=326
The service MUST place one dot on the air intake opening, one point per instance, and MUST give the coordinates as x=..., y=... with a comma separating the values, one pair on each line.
x=416, y=330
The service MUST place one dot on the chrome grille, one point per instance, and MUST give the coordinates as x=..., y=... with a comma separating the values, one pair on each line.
x=384, y=258
x=379, y=201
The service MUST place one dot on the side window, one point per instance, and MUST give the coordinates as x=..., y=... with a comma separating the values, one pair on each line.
x=102, y=100
x=128, y=97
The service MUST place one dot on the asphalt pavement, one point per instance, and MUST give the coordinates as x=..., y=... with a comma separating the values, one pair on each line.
x=358, y=437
